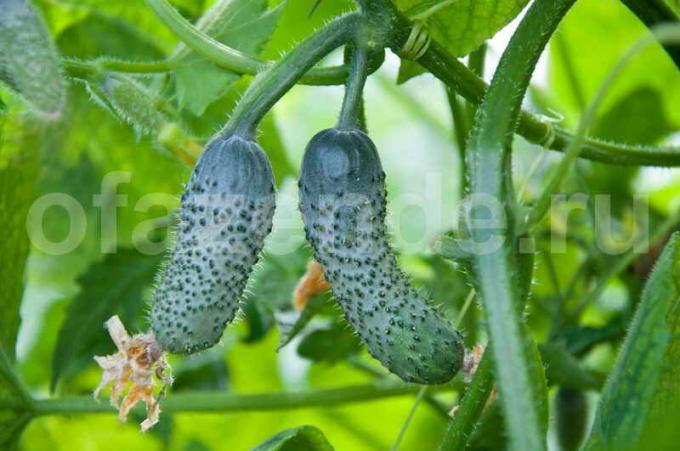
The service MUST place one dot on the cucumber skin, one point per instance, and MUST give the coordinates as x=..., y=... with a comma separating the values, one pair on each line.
x=225, y=214
x=342, y=200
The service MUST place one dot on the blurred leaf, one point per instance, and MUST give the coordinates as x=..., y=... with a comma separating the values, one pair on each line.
x=607, y=29
x=98, y=35
x=291, y=324
x=463, y=25
x=329, y=345
x=562, y=368
x=29, y=62
x=112, y=286
x=296, y=22
x=639, y=404
x=202, y=371
x=245, y=25
x=638, y=117
x=303, y=438
x=18, y=175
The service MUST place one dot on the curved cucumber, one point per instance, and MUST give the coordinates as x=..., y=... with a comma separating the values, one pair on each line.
x=225, y=215
x=342, y=199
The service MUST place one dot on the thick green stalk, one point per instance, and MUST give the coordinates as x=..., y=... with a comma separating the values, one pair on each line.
x=494, y=268
x=228, y=402
x=270, y=86
x=227, y=57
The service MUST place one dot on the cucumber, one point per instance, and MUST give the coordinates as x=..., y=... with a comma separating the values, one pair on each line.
x=29, y=61
x=225, y=214
x=343, y=201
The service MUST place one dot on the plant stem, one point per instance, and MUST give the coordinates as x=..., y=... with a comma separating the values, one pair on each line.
x=270, y=86
x=351, y=104
x=488, y=149
x=227, y=57
x=228, y=402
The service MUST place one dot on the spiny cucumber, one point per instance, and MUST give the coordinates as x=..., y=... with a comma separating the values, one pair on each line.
x=29, y=62
x=225, y=214
x=342, y=199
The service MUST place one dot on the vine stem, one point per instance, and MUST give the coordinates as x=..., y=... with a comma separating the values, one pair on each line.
x=493, y=268
x=230, y=58
x=271, y=85
x=228, y=402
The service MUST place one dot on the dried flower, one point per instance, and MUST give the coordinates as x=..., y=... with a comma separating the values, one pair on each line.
x=137, y=366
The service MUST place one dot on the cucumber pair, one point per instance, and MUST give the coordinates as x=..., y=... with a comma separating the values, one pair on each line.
x=225, y=215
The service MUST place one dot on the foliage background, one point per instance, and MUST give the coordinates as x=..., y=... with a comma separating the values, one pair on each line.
x=66, y=298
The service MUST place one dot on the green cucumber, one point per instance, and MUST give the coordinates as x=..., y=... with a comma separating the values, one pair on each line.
x=225, y=215
x=29, y=62
x=343, y=201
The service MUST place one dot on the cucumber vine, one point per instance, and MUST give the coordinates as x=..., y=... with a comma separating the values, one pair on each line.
x=228, y=206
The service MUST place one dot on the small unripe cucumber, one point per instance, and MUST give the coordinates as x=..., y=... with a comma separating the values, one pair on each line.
x=29, y=61
x=225, y=215
x=342, y=199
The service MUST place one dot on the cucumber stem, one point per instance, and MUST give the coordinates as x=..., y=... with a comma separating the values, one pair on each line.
x=352, y=103
x=270, y=86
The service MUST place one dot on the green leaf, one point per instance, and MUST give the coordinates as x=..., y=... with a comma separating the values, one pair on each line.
x=639, y=404
x=463, y=25
x=303, y=438
x=245, y=25
x=112, y=286
x=200, y=83
x=329, y=345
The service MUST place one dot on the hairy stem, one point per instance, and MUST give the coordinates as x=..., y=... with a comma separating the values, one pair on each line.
x=494, y=269
x=352, y=103
x=270, y=86
x=227, y=57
